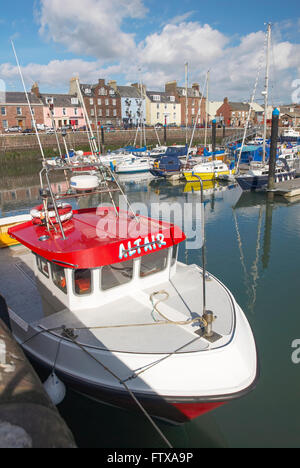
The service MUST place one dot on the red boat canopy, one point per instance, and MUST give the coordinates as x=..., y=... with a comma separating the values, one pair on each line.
x=96, y=237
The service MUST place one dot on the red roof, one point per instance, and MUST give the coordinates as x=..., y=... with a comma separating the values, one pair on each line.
x=96, y=237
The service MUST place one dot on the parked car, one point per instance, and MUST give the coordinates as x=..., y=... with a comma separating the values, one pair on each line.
x=28, y=130
x=49, y=131
x=13, y=129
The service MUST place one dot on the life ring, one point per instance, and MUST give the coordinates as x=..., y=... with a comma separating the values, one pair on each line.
x=38, y=214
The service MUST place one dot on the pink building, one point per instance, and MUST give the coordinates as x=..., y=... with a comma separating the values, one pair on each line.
x=66, y=107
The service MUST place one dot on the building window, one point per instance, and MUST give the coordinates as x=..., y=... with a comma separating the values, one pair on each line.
x=172, y=98
x=74, y=101
x=107, y=102
x=64, y=111
x=116, y=275
x=75, y=111
x=114, y=102
x=112, y=92
x=92, y=112
x=193, y=111
x=154, y=263
x=82, y=282
x=102, y=92
x=100, y=112
x=91, y=102
x=157, y=106
x=99, y=102
x=3, y=110
x=107, y=112
x=115, y=113
x=19, y=110
x=156, y=97
x=59, y=277
x=5, y=123
x=157, y=115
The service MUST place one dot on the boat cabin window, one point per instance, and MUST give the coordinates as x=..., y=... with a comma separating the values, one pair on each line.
x=42, y=265
x=82, y=282
x=154, y=263
x=117, y=274
x=174, y=255
x=59, y=277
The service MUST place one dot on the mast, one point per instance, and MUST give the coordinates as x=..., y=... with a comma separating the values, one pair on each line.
x=186, y=102
x=266, y=90
x=207, y=110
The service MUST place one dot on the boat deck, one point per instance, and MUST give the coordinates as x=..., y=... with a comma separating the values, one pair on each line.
x=106, y=327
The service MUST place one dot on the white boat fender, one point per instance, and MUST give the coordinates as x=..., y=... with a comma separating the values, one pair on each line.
x=84, y=182
x=55, y=389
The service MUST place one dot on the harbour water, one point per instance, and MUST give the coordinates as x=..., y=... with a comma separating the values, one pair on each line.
x=253, y=247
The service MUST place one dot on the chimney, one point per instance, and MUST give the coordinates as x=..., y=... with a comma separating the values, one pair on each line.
x=171, y=87
x=113, y=84
x=226, y=100
x=140, y=87
x=101, y=82
x=36, y=90
x=196, y=86
x=73, y=85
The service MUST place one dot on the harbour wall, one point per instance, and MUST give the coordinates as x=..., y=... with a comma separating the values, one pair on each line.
x=113, y=138
x=28, y=419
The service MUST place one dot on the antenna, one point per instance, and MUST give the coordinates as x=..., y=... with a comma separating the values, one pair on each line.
x=27, y=98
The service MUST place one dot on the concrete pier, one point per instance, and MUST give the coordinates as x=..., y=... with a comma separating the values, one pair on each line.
x=28, y=419
x=288, y=188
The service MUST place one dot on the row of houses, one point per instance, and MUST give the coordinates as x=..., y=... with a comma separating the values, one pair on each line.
x=128, y=106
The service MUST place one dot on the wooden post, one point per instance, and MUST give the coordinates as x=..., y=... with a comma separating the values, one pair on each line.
x=165, y=134
x=273, y=149
x=102, y=139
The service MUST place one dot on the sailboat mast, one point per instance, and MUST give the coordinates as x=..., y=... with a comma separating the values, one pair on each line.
x=207, y=110
x=186, y=103
x=266, y=91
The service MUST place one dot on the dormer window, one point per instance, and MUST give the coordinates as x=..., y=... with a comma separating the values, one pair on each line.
x=87, y=91
x=156, y=97
x=74, y=101
x=172, y=98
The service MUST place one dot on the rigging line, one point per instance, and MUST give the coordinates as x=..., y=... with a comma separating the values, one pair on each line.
x=131, y=393
x=254, y=268
x=242, y=258
x=28, y=102
x=196, y=120
x=251, y=105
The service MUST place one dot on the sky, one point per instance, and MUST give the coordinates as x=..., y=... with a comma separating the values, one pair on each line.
x=150, y=41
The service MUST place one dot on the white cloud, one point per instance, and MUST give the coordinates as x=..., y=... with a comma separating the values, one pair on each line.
x=95, y=28
x=90, y=27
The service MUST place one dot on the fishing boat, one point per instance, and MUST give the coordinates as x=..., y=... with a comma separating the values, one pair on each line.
x=104, y=303
x=208, y=171
x=111, y=308
x=5, y=224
